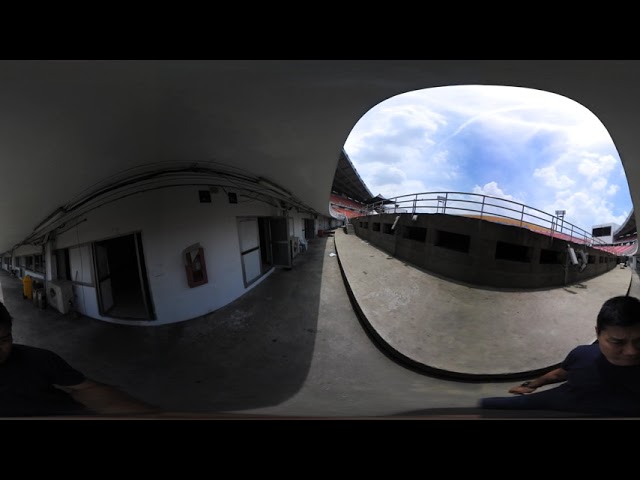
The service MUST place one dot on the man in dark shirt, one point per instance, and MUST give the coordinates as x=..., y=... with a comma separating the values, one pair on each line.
x=601, y=379
x=38, y=382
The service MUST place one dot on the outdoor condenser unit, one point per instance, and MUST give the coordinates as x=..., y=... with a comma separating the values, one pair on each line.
x=59, y=295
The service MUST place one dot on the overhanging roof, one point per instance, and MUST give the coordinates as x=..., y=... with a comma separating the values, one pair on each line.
x=347, y=180
x=69, y=125
x=628, y=227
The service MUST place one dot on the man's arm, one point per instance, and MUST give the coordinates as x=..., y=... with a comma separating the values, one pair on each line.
x=554, y=376
x=106, y=399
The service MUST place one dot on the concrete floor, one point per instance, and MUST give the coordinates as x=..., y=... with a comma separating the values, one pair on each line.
x=457, y=329
x=291, y=347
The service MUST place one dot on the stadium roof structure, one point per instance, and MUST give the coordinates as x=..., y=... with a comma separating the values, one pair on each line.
x=627, y=228
x=379, y=199
x=348, y=182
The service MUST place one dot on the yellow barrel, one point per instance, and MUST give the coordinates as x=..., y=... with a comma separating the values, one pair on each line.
x=27, y=284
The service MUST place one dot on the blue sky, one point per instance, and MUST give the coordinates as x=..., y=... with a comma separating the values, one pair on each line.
x=533, y=147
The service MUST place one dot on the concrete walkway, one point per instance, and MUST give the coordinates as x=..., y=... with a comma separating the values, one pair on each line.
x=457, y=329
x=292, y=347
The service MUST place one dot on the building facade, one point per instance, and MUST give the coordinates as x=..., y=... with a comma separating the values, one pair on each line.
x=162, y=252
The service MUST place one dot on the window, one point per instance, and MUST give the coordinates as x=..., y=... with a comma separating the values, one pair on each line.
x=601, y=231
x=38, y=263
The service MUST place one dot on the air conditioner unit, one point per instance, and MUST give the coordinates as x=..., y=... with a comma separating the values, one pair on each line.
x=295, y=246
x=60, y=295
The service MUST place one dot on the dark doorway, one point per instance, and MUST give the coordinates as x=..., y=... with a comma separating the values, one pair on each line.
x=309, y=228
x=265, y=252
x=63, y=267
x=123, y=289
x=279, y=241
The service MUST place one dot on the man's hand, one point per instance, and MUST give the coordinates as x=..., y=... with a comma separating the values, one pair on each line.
x=520, y=390
x=106, y=399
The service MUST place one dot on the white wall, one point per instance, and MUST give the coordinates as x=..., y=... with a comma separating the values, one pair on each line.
x=170, y=220
x=81, y=263
x=81, y=269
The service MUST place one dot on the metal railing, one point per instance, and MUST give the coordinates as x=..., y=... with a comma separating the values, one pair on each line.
x=489, y=208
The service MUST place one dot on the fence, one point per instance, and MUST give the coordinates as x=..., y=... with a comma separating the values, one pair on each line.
x=489, y=208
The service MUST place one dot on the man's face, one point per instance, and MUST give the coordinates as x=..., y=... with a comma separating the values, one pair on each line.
x=5, y=343
x=621, y=345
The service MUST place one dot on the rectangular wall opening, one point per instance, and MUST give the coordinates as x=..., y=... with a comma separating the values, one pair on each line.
x=550, y=257
x=512, y=252
x=453, y=241
x=419, y=234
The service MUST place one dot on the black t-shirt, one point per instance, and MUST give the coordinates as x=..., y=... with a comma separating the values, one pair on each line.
x=598, y=386
x=27, y=379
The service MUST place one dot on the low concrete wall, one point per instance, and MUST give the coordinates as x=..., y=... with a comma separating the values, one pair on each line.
x=480, y=252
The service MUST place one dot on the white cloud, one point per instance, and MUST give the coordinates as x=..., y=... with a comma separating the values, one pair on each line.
x=551, y=178
x=585, y=209
x=593, y=165
x=397, y=190
x=493, y=190
x=539, y=146
x=516, y=111
x=599, y=184
x=391, y=181
x=385, y=175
